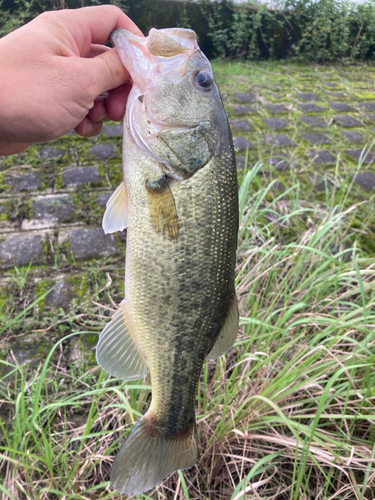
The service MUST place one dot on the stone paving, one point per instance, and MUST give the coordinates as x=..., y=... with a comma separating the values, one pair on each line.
x=38, y=213
x=53, y=196
x=311, y=118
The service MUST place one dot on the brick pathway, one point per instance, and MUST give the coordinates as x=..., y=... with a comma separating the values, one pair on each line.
x=307, y=119
x=52, y=197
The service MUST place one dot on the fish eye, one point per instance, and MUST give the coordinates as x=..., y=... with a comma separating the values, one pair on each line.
x=203, y=79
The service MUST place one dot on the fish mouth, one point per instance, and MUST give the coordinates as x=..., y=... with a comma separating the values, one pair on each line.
x=162, y=53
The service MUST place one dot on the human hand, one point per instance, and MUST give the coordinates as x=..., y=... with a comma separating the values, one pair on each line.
x=51, y=71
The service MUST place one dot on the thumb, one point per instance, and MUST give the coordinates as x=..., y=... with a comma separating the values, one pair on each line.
x=107, y=72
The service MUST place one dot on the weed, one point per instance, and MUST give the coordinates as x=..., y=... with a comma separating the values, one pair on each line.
x=288, y=408
x=20, y=276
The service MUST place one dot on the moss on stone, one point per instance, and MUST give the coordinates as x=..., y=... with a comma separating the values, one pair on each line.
x=115, y=174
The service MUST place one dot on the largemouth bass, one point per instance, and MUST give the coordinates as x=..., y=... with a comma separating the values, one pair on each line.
x=179, y=203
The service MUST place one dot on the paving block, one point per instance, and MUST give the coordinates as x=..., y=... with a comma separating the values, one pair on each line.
x=59, y=208
x=365, y=180
x=356, y=154
x=276, y=123
x=321, y=183
x=243, y=125
x=322, y=157
x=315, y=138
x=313, y=121
x=308, y=96
x=81, y=176
x=370, y=106
x=240, y=162
x=91, y=242
x=24, y=181
x=28, y=350
x=347, y=121
x=371, y=117
x=21, y=250
x=51, y=153
x=112, y=130
x=276, y=109
x=279, y=140
x=280, y=163
x=244, y=97
x=3, y=208
x=241, y=143
x=240, y=110
x=337, y=95
x=311, y=108
x=340, y=107
x=352, y=136
x=102, y=199
x=103, y=151
x=62, y=293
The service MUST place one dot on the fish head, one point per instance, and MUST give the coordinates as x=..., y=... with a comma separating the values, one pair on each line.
x=174, y=112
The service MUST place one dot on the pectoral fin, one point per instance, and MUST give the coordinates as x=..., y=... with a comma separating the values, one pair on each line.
x=162, y=208
x=228, y=333
x=117, y=351
x=116, y=213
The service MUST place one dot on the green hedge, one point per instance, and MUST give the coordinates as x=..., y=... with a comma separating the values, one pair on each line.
x=332, y=30
x=304, y=30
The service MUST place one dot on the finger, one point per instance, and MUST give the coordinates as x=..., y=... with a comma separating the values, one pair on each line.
x=98, y=112
x=96, y=50
x=12, y=148
x=98, y=22
x=80, y=28
x=116, y=102
x=105, y=18
x=88, y=128
x=106, y=72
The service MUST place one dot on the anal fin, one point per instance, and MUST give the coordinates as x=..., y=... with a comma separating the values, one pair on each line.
x=116, y=213
x=117, y=351
x=228, y=333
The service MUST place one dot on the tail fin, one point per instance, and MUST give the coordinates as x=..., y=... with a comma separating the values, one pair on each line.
x=145, y=459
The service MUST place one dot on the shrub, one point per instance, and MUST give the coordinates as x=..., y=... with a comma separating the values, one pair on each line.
x=319, y=31
x=303, y=30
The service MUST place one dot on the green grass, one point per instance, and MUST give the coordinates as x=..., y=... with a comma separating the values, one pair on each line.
x=288, y=413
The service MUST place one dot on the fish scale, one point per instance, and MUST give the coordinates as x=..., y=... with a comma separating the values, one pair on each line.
x=207, y=230
x=179, y=198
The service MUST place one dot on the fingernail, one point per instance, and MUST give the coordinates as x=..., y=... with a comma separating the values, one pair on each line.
x=87, y=128
x=101, y=96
